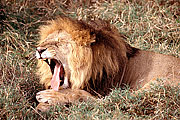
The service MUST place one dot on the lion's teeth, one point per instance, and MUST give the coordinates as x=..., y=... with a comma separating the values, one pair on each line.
x=38, y=55
x=49, y=61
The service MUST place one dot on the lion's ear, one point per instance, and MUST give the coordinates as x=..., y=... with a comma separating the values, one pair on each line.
x=84, y=38
x=92, y=38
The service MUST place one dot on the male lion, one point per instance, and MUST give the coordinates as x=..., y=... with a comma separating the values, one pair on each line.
x=80, y=60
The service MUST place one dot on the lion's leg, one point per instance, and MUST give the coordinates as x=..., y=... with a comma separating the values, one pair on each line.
x=50, y=97
x=155, y=81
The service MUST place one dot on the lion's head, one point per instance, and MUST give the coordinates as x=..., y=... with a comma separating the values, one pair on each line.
x=76, y=54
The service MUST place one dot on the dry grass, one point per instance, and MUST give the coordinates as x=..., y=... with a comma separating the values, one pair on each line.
x=148, y=24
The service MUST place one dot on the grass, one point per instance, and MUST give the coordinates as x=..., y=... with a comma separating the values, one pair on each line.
x=148, y=24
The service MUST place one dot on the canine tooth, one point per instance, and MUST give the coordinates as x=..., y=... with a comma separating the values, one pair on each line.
x=66, y=84
x=49, y=61
x=37, y=55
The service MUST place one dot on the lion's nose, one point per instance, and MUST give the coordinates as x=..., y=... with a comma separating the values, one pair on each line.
x=41, y=50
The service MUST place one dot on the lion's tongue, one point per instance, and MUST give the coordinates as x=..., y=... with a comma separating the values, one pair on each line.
x=55, y=81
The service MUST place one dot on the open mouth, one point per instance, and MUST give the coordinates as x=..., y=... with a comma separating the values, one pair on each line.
x=58, y=73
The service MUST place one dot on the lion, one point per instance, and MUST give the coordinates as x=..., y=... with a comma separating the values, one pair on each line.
x=87, y=59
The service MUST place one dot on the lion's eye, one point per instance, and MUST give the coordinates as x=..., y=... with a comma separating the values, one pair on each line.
x=41, y=49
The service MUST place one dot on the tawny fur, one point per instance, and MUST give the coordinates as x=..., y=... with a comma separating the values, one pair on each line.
x=100, y=59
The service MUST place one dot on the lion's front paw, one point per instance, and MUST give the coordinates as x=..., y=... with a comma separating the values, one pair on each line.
x=51, y=97
x=63, y=96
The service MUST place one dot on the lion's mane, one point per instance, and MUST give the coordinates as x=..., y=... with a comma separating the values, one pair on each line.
x=108, y=53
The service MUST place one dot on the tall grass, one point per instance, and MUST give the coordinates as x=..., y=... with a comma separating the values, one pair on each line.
x=148, y=24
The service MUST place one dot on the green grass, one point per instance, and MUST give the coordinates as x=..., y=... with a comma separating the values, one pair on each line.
x=153, y=26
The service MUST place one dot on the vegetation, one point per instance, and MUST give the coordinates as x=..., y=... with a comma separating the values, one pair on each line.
x=148, y=24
